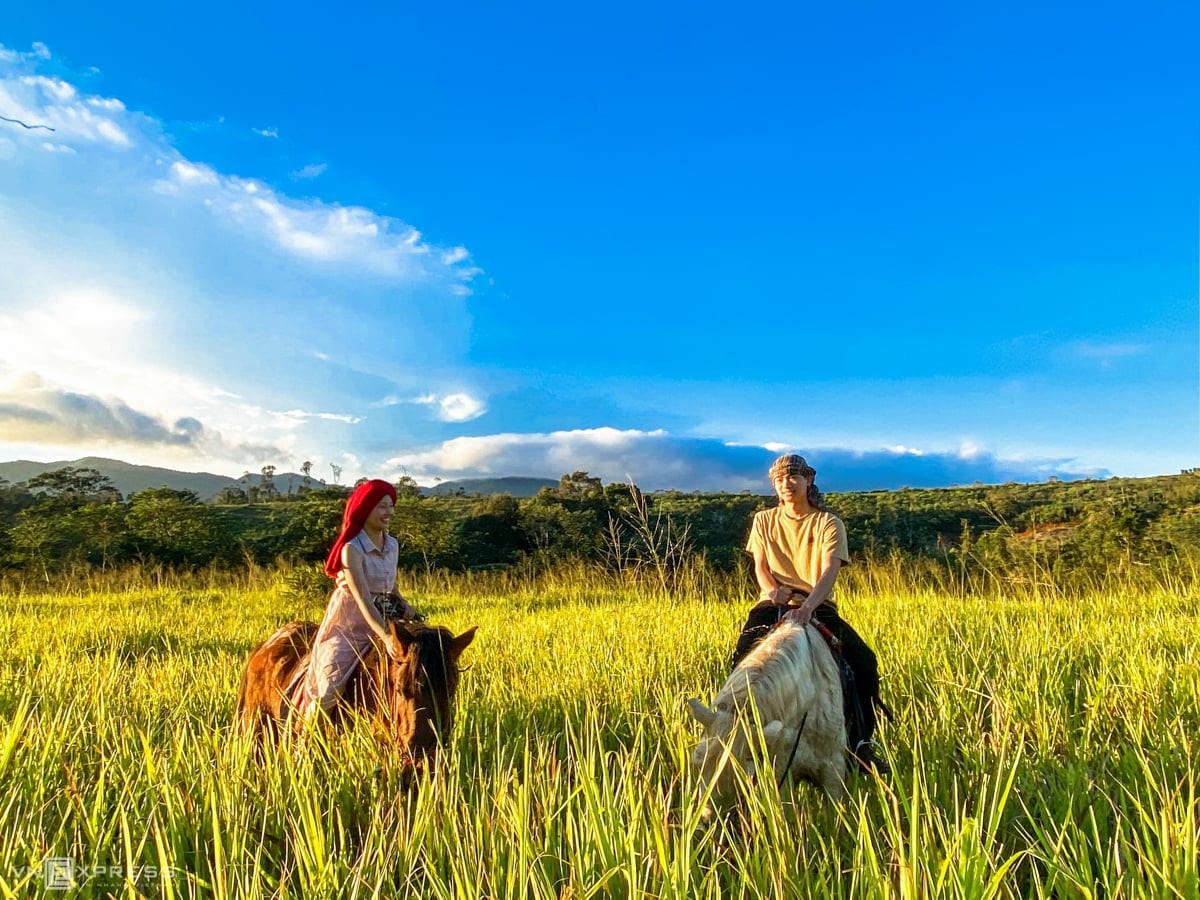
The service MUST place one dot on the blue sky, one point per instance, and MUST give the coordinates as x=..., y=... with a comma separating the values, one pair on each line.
x=923, y=245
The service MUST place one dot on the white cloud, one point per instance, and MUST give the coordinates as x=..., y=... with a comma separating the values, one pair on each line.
x=162, y=287
x=312, y=170
x=109, y=103
x=659, y=460
x=35, y=411
x=40, y=50
x=266, y=132
x=56, y=104
x=192, y=173
x=297, y=416
x=317, y=231
x=55, y=87
x=320, y=232
x=458, y=407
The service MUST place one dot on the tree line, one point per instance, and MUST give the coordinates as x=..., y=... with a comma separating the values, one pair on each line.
x=76, y=517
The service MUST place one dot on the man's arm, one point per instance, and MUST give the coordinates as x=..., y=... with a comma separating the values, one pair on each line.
x=769, y=587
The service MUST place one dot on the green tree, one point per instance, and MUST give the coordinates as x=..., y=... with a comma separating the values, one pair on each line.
x=426, y=535
x=174, y=526
x=101, y=532
x=72, y=486
x=407, y=487
x=231, y=495
x=313, y=524
x=492, y=534
x=266, y=483
x=579, y=486
x=42, y=537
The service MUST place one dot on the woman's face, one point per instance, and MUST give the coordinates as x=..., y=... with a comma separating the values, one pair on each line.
x=381, y=515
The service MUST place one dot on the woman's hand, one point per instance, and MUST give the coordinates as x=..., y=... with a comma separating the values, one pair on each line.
x=394, y=648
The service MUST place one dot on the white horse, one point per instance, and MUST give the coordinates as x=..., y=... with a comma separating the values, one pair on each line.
x=790, y=684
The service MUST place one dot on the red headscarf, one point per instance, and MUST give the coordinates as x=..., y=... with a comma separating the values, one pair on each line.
x=358, y=508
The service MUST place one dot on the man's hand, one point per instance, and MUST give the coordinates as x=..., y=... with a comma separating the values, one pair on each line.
x=801, y=615
x=777, y=595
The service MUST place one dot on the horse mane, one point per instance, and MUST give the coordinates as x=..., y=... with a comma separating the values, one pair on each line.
x=772, y=664
x=431, y=659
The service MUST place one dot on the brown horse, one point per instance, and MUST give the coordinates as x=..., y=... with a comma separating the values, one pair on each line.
x=410, y=696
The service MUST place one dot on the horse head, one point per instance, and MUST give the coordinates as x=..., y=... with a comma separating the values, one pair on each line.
x=728, y=742
x=779, y=713
x=419, y=684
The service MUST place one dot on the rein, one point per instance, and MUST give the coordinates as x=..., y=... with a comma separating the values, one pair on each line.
x=828, y=636
x=836, y=646
x=795, y=746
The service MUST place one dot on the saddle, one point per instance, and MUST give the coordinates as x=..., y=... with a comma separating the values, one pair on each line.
x=392, y=606
x=295, y=695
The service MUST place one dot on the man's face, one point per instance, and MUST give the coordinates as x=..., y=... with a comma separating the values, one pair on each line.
x=791, y=486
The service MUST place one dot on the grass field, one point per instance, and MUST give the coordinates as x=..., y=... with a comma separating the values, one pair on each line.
x=1044, y=746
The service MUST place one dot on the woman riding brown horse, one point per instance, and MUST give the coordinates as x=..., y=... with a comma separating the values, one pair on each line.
x=364, y=654
x=410, y=695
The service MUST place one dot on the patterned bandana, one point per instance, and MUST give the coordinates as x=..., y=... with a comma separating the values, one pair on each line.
x=791, y=464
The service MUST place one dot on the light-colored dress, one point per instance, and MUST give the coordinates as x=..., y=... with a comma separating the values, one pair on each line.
x=344, y=634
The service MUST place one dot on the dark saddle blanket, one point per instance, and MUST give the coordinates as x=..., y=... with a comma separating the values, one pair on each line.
x=855, y=704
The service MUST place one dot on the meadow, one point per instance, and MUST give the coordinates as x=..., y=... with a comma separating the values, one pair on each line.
x=1045, y=746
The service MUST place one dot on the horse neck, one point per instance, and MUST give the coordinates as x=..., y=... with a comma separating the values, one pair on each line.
x=774, y=663
x=421, y=706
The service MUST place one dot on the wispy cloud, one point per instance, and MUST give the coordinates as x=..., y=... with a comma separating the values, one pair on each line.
x=266, y=132
x=312, y=170
x=1106, y=352
x=659, y=460
x=319, y=232
x=297, y=416
x=457, y=407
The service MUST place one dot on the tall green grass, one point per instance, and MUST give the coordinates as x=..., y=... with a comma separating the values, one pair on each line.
x=1045, y=745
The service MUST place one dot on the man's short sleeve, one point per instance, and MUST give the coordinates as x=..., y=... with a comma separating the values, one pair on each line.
x=836, y=544
x=755, y=539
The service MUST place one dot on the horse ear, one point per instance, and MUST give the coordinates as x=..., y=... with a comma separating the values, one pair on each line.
x=701, y=713
x=463, y=641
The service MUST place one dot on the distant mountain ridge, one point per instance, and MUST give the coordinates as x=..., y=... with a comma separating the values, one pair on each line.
x=285, y=482
x=130, y=478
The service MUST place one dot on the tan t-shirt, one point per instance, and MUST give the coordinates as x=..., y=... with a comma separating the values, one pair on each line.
x=798, y=550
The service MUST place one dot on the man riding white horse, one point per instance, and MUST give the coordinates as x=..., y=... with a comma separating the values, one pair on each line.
x=798, y=549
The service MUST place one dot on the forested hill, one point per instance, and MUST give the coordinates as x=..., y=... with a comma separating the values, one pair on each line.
x=73, y=516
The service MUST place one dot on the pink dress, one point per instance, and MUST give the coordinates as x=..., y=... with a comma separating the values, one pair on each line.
x=344, y=634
